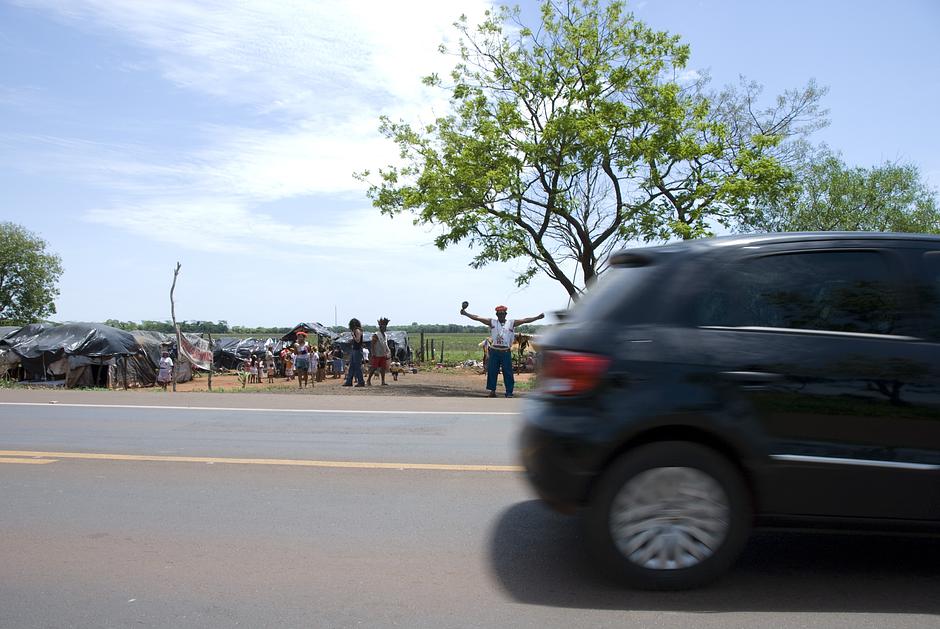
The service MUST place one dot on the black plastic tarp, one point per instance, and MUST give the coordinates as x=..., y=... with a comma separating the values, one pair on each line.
x=84, y=354
x=81, y=339
x=230, y=352
x=319, y=329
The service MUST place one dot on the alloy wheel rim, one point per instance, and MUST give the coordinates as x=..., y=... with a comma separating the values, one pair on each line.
x=670, y=518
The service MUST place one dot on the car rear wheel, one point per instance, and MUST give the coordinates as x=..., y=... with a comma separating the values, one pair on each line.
x=668, y=515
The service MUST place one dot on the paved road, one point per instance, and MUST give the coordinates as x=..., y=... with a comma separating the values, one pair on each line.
x=202, y=542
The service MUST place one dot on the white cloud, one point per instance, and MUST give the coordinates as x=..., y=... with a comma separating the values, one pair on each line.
x=687, y=77
x=315, y=76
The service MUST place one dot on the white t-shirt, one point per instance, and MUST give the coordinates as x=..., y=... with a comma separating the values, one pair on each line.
x=381, y=345
x=501, y=334
x=166, y=365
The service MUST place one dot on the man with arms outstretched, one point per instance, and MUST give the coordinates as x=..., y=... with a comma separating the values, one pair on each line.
x=502, y=333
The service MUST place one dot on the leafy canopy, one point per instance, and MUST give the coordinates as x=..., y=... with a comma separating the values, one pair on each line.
x=570, y=139
x=28, y=276
x=828, y=195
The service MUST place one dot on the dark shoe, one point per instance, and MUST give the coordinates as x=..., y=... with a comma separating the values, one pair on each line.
x=492, y=394
x=359, y=385
x=509, y=395
x=346, y=384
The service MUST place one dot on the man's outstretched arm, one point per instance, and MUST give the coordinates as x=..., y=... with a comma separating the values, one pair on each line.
x=485, y=322
x=541, y=315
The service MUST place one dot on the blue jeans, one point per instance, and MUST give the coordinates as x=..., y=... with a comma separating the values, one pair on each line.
x=499, y=360
x=355, y=368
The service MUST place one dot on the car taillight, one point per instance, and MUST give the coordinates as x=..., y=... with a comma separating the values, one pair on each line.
x=571, y=373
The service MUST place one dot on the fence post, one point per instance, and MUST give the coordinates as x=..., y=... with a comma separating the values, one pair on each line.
x=433, y=354
x=442, y=351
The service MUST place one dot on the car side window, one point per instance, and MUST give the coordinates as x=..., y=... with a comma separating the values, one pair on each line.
x=929, y=292
x=839, y=291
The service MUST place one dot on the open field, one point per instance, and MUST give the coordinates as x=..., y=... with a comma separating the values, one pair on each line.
x=457, y=347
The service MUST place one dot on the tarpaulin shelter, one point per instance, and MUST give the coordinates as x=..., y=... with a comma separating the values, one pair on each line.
x=94, y=354
x=318, y=329
x=152, y=345
x=80, y=354
x=397, y=342
x=9, y=360
x=230, y=352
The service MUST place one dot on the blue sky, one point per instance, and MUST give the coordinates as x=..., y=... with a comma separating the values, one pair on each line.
x=224, y=135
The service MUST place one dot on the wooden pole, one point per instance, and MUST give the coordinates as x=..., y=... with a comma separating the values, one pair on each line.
x=442, y=351
x=433, y=353
x=211, y=362
x=179, y=337
x=421, y=357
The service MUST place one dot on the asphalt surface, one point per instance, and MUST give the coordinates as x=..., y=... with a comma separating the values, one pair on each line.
x=283, y=537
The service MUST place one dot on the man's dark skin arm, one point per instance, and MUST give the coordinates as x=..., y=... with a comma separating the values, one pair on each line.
x=485, y=322
x=541, y=315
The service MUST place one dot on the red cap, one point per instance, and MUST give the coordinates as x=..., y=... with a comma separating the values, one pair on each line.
x=501, y=308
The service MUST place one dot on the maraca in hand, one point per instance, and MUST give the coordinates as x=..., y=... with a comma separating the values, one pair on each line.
x=465, y=305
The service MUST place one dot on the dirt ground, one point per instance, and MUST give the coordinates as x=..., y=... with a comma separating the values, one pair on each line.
x=425, y=383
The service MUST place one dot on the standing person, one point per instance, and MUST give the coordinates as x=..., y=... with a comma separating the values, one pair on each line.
x=253, y=370
x=355, y=358
x=321, y=364
x=165, y=372
x=337, y=362
x=289, y=363
x=502, y=333
x=269, y=364
x=379, y=352
x=302, y=359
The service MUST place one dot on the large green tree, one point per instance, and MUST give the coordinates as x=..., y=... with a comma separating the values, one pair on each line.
x=28, y=276
x=828, y=195
x=569, y=139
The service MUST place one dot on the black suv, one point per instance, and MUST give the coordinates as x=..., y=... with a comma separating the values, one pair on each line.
x=707, y=387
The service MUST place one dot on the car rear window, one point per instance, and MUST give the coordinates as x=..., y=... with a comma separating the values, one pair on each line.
x=930, y=294
x=840, y=291
x=610, y=297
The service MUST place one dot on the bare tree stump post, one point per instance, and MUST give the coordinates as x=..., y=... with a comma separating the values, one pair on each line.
x=211, y=362
x=179, y=337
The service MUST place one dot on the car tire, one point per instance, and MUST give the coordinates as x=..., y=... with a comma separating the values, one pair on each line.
x=668, y=516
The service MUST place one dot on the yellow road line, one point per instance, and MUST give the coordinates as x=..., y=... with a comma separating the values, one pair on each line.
x=26, y=461
x=289, y=462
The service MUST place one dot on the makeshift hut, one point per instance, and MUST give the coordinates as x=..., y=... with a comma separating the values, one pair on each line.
x=319, y=330
x=76, y=354
x=230, y=352
x=9, y=361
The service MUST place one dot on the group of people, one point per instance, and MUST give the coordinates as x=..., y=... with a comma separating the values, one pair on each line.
x=308, y=363
x=380, y=355
x=301, y=359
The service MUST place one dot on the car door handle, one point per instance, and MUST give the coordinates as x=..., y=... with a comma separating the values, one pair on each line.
x=752, y=377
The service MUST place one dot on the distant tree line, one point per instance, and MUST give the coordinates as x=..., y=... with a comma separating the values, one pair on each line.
x=222, y=327
x=213, y=327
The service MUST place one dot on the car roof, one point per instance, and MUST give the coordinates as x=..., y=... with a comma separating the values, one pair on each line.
x=739, y=240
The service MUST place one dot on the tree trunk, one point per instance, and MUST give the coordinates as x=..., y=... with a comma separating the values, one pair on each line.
x=212, y=362
x=179, y=339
